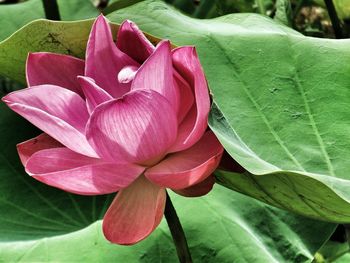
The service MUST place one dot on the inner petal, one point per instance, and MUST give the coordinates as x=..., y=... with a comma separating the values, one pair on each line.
x=138, y=128
x=127, y=74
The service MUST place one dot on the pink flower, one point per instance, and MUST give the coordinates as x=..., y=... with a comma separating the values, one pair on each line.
x=130, y=118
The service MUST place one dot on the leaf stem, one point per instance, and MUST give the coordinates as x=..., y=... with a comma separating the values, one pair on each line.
x=298, y=7
x=177, y=232
x=261, y=7
x=51, y=10
x=334, y=18
x=342, y=253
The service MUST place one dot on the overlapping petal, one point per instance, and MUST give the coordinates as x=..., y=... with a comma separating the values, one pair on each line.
x=104, y=60
x=133, y=42
x=28, y=148
x=56, y=69
x=186, y=97
x=189, y=167
x=59, y=112
x=138, y=128
x=79, y=174
x=131, y=118
x=199, y=189
x=157, y=74
x=193, y=126
x=134, y=213
x=93, y=93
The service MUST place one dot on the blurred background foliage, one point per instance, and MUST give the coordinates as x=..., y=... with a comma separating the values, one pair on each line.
x=310, y=17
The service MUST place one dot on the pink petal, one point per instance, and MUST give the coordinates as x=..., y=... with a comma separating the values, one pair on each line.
x=138, y=128
x=59, y=112
x=200, y=189
x=134, y=213
x=186, y=62
x=93, y=93
x=157, y=74
x=133, y=42
x=183, y=169
x=28, y=148
x=56, y=69
x=104, y=60
x=186, y=98
x=79, y=174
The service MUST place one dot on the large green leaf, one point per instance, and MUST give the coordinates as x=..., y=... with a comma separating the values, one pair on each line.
x=275, y=115
x=281, y=105
x=14, y=16
x=29, y=209
x=40, y=223
x=220, y=227
x=42, y=35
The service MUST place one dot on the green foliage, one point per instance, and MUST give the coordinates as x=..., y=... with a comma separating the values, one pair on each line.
x=14, y=16
x=281, y=105
x=204, y=8
x=284, y=12
x=219, y=227
x=45, y=224
x=42, y=35
x=333, y=251
x=342, y=7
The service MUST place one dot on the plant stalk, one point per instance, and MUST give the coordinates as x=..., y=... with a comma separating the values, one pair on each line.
x=334, y=19
x=51, y=9
x=177, y=232
x=261, y=7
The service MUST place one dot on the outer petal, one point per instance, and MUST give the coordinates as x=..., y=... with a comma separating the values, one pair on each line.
x=79, y=174
x=157, y=74
x=104, y=60
x=134, y=213
x=59, y=112
x=56, y=69
x=200, y=189
x=133, y=42
x=186, y=62
x=139, y=128
x=183, y=169
x=93, y=93
x=28, y=148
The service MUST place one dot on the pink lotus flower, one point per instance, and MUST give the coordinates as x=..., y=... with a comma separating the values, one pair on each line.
x=130, y=118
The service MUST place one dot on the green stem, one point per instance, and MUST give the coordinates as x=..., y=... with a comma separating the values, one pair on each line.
x=177, y=232
x=51, y=10
x=261, y=7
x=342, y=253
x=334, y=18
x=298, y=7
